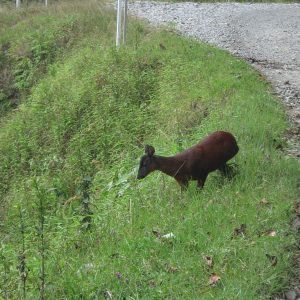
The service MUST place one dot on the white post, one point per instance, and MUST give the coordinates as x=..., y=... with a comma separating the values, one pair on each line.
x=18, y=3
x=46, y=2
x=119, y=13
x=125, y=20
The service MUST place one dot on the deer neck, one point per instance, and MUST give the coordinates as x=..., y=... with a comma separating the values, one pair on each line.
x=168, y=165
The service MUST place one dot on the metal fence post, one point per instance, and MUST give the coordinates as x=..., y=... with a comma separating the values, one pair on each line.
x=119, y=25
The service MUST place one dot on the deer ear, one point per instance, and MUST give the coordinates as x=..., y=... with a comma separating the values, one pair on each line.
x=149, y=150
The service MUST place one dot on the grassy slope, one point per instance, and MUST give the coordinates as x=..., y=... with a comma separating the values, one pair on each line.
x=36, y=37
x=90, y=116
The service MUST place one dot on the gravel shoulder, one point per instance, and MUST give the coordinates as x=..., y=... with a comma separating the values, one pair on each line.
x=266, y=35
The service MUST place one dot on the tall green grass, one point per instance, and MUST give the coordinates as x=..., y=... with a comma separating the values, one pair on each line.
x=75, y=221
x=35, y=37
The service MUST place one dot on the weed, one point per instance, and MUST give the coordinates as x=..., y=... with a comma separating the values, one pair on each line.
x=23, y=271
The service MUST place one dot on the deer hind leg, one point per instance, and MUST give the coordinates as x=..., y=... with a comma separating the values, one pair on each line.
x=201, y=181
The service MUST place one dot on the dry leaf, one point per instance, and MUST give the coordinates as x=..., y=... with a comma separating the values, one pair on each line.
x=74, y=198
x=272, y=259
x=214, y=279
x=297, y=208
x=269, y=232
x=107, y=295
x=208, y=260
x=152, y=283
x=156, y=233
x=168, y=236
x=240, y=231
x=264, y=201
x=171, y=269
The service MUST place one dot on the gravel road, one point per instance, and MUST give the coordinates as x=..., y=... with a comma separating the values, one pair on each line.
x=266, y=35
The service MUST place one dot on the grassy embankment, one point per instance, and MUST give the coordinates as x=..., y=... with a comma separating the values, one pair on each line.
x=75, y=223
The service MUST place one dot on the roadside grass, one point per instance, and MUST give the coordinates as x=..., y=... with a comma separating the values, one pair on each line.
x=35, y=37
x=75, y=221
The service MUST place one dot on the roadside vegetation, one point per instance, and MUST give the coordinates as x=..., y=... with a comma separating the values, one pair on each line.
x=75, y=222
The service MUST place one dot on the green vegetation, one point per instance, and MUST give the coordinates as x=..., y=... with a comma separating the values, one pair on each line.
x=35, y=38
x=76, y=224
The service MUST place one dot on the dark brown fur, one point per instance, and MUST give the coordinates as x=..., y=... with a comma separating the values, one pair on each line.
x=195, y=163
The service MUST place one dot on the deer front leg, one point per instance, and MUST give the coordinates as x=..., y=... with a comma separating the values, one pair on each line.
x=183, y=184
x=229, y=171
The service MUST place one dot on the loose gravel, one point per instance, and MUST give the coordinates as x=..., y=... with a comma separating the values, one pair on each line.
x=266, y=35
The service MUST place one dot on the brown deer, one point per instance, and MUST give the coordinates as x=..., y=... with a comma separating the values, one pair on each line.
x=195, y=163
